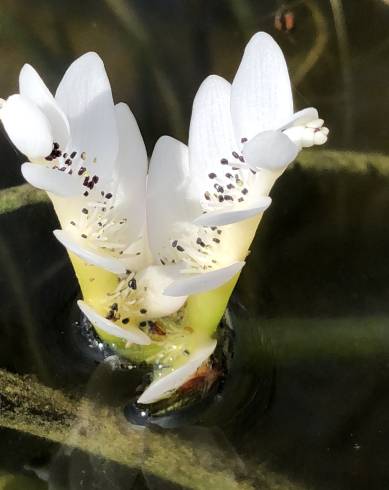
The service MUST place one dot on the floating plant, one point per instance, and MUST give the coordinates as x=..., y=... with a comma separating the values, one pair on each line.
x=158, y=248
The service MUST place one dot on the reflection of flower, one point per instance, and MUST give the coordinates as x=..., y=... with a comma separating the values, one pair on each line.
x=158, y=255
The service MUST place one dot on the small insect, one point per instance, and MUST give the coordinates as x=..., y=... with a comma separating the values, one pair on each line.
x=284, y=20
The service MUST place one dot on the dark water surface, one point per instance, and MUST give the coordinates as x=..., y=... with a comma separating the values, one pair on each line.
x=307, y=404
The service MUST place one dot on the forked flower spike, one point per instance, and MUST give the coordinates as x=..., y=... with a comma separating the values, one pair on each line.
x=158, y=251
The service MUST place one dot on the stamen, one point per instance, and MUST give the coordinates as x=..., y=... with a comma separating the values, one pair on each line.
x=132, y=283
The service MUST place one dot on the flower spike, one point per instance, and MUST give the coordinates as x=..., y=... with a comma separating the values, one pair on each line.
x=158, y=251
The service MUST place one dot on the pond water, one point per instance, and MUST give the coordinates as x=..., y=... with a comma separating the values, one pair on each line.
x=307, y=402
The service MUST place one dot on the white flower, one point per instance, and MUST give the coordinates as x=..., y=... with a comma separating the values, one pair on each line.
x=223, y=177
x=90, y=156
x=107, y=226
x=243, y=136
x=192, y=253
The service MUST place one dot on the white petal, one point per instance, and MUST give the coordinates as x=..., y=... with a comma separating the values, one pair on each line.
x=189, y=284
x=315, y=124
x=168, y=200
x=307, y=136
x=68, y=240
x=130, y=333
x=237, y=213
x=27, y=127
x=301, y=118
x=261, y=97
x=50, y=180
x=320, y=138
x=85, y=96
x=130, y=172
x=156, y=279
x=162, y=387
x=271, y=150
x=32, y=87
x=211, y=135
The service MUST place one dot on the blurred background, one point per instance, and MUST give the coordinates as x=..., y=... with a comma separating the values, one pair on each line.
x=315, y=292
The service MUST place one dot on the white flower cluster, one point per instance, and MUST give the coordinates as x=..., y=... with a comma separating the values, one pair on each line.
x=177, y=225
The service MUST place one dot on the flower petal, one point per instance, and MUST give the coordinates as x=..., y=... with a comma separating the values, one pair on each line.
x=85, y=96
x=270, y=150
x=130, y=333
x=154, y=279
x=162, y=387
x=27, y=127
x=130, y=172
x=32, y=87
x=51, y=180
x=168, y=200
x=211, y=135
x=301, y=118
x=111, y=264
x=188, y=284
x=237, y=213
x=261, y=97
